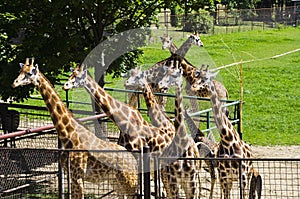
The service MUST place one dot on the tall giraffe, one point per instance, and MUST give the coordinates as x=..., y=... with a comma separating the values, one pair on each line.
x=206, y=147
x=160, y=119
x=86, y=165
x=182, y=146
x=168, y=43
x=157, y=71
x=231, y=145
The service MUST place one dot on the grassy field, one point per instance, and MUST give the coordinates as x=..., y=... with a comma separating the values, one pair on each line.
x=271, y=86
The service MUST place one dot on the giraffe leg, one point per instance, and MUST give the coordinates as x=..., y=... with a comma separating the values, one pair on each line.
x=170, y=182
x=192, y=187
x=77, y=188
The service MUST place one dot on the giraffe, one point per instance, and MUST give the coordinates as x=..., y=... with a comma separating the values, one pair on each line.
x=231, y=145
x=88, y=166
x=206, y=147
x=133, y=134
x=168, y=43
x=182, y=146
x=157, y=71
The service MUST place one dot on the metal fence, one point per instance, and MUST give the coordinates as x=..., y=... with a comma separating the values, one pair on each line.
x=228, y=21
x=36, y=173
x=30, y=167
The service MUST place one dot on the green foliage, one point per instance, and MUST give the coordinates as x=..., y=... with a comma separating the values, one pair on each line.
x=58, y=33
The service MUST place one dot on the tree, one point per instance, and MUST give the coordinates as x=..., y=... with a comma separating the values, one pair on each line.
x=58, y=33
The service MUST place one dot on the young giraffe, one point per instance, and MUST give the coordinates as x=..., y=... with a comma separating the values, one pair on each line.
x=168, y=43
x=156, y=72
x=182, y=146
x=159, y=118
x=84, y=165
x=231, y=145
x=205, y=146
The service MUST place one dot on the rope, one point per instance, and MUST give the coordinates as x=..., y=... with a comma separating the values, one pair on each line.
x=253, y=60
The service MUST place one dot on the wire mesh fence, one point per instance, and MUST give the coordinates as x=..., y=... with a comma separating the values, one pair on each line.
x=227, y=21
x=35, y=173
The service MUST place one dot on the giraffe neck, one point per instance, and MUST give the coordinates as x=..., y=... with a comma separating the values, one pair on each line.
x=226, y=130
x=157, y=116
x=181, y=140
x=62, y=118
x=188, y=71
x=184, y=48
x=117, y=111
x=173, y=48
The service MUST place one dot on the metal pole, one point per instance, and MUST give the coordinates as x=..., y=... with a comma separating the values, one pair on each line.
x=69, y=175
x=241, y=179
x=146, y=164
x=61, y=188
x=240, y=126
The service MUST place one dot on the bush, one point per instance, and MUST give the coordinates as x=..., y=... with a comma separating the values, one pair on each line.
x=202, y=22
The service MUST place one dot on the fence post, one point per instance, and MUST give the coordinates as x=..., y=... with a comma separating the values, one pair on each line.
x=208, y=120
x=61, y=189
x=241, y=179
x=146, y=165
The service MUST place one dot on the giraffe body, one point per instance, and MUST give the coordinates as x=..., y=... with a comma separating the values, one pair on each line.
x=231, y=145
x=84, y=165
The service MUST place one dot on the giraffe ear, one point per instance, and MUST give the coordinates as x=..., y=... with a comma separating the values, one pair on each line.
x=21, y=65
x=72, y=70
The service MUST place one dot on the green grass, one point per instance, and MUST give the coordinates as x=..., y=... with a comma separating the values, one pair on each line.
x=271, y=87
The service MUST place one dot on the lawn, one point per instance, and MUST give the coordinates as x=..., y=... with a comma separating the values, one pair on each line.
x=271, y=86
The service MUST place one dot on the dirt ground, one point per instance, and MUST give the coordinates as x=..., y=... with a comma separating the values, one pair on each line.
x=276, y=151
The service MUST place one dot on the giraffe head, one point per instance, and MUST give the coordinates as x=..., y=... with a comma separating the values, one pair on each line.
x=77, y=78
x=29, y=74
x=166, y=41
x=172, y=76
x=137, y=79
x=202, y=80
x=195, y=40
